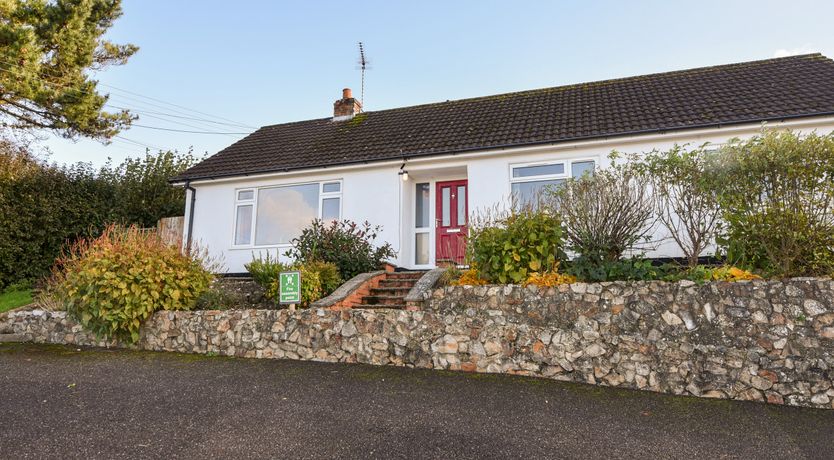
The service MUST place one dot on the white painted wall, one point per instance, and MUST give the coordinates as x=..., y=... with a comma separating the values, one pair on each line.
x=375, y=192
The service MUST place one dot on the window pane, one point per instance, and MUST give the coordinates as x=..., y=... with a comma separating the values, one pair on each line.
x=331, y=187
x=531, y=192
x=243, y=225
x=539, y=170
x=578, y=168
x=330, y=209
x=461, y=205
x=245, y=194
x=421, y=249
x=446, y=206
x=421, y=219
x=284, y=211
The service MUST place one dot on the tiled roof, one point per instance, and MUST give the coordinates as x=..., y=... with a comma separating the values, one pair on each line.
x=772, y=89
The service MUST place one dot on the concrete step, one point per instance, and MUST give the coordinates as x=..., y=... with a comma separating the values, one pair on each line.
x=404, y=275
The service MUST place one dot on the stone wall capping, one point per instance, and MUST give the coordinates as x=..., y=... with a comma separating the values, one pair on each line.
x=768, y=341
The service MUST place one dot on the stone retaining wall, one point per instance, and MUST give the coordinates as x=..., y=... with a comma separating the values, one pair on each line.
x=767, y=341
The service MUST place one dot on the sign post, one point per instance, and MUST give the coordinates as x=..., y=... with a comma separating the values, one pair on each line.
x=290, y=293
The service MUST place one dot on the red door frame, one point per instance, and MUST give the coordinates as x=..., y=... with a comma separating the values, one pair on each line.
x=450, y=240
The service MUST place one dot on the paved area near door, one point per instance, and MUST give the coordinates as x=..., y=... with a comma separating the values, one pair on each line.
x=61, y=402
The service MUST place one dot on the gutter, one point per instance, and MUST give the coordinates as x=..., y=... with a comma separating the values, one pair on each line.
x=552, y=142
x=193, y=191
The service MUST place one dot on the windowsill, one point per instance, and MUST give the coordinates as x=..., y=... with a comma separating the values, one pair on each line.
x=251, y=248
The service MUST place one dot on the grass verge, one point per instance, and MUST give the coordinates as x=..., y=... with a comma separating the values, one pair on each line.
x=13, y=299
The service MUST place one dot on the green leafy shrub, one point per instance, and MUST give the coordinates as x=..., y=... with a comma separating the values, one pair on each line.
x=318, y=279
x=113, y=283
x=776, y=192
x=591, y=268
x=348, y=245
x=523, y=240
x=264, y=271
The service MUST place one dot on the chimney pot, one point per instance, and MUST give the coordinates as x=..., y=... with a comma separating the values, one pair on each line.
x=346, y=107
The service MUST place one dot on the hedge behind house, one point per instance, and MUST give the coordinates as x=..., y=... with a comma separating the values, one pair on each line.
x=44, y=206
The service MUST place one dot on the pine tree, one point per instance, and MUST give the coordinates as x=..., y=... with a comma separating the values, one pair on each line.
x=47, y=51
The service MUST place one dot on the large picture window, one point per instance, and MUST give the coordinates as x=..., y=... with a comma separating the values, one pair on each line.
x=529, y=182
x=271, y=216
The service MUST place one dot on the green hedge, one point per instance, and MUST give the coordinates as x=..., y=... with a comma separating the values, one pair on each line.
x=43, y=207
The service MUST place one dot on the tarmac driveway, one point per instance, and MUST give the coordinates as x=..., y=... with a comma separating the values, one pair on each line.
x=61, y=402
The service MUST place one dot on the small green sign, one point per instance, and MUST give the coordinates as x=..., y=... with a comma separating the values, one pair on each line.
x=290, y=287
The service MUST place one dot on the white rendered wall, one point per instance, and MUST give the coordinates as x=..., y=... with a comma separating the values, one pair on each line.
x=376, y=193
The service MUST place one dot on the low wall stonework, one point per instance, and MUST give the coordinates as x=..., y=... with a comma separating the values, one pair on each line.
x=770, y=341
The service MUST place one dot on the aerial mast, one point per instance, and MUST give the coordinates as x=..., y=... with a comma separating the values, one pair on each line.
x=363, y=65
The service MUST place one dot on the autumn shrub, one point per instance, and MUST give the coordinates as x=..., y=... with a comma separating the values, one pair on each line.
x=469, y=277
x=509, y=245
x=703, y=273
x=111, y=284
x=549, y=279
x=776, y=192
x=348, y=245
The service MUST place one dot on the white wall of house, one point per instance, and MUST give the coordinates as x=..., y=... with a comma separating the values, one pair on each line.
x=375, y=193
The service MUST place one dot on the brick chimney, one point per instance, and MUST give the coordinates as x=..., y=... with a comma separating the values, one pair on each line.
x=346, y=107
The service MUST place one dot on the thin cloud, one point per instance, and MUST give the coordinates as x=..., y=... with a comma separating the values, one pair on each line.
x=785, y=52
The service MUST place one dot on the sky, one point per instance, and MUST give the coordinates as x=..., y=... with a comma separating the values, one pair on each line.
x=232, y=66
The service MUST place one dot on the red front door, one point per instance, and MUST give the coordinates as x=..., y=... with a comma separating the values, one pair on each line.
x=452, y=212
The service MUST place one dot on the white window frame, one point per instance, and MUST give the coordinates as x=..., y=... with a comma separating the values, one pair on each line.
x=254, y=202
x=568, y=167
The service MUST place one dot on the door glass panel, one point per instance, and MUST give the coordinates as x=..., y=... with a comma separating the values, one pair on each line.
x=421, y=249
x=243, y=225
x=245, y=195
x=539, y=170
x=578, y=168
x=421, y=218
x=461, y=205
x=446, y=206
x=330, y=209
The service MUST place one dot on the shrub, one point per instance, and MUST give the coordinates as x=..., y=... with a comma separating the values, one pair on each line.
x=514, y=244
x=776, y=192
x=112, y=283
x=217, y=298
x=264, y=271
x=346, y=244
x=703, y=273
x=687, y=202
x=605, y=214
x=595, y=268
x=549, y=279
x=469, y=277
x=318, y=279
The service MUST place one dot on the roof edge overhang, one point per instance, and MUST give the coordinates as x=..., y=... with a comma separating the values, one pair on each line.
x=785, y=122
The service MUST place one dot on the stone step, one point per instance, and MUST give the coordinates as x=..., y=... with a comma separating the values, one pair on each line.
x=403, y=283
x=404, y=275
x=397, y=291
x=380, y=306
x=383, y=300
